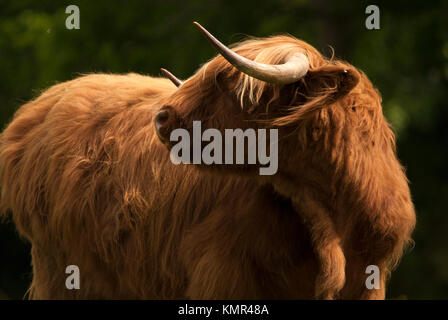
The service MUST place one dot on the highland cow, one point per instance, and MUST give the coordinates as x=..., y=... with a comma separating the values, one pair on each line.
x=337, y=158
x=89, y=183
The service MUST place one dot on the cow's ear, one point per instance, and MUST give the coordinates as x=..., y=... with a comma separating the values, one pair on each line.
x=320, y=86
x=334, y=81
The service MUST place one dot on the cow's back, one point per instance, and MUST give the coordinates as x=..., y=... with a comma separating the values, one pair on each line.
x=89, y=184
x=69, y=163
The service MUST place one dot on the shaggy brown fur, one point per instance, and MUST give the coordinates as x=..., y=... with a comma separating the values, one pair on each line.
x=89, y=184
x=337, y=161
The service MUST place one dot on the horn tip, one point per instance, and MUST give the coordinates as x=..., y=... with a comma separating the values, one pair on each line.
x=171, y=77
x=197, y=24
x=164, y=71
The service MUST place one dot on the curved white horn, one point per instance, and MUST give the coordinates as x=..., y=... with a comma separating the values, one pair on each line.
x=295, y=67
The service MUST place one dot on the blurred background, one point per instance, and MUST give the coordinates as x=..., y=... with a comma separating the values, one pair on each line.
x=407, y=59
